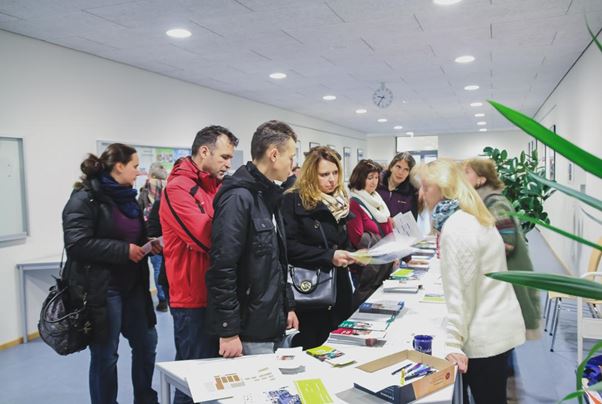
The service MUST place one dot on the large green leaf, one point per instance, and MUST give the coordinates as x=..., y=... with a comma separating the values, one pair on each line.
x=577, y=155
x=591, y=201
x=593, y=36
x=556, y=283
x=525, y=218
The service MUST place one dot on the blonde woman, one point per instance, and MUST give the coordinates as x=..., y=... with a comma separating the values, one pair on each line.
x=484, y=321
x=318, y=203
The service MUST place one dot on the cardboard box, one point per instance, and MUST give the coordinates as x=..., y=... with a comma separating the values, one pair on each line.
x=413, y=390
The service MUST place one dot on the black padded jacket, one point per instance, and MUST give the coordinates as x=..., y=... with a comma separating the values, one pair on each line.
x=247, y=289
x=93, y=252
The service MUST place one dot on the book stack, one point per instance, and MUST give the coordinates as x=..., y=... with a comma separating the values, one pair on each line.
x=401, y=286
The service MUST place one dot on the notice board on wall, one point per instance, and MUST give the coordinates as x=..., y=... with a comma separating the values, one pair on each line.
x=13, y=204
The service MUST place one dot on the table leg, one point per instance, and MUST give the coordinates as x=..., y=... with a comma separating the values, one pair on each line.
x=23, y=304
x=165, y=390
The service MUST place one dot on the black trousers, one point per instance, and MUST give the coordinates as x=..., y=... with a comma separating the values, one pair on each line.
x=486, y=378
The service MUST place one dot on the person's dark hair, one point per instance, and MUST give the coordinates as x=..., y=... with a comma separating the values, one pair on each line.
x=405, y=156
x=270, y=133
x=361, y=171
x=208, y=136
x=115, y=153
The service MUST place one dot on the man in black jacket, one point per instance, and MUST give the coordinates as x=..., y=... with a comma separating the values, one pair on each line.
x=250, y=303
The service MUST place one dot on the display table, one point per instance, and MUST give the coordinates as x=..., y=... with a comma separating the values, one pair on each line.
x=416, y=318
x=49, y=264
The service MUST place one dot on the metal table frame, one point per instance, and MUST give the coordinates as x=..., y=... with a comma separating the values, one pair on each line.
x=52, y=264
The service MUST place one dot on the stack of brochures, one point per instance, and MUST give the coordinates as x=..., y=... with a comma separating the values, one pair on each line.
x=330, y=355
x=392, y=307
x=401, y=286
x=403, y=274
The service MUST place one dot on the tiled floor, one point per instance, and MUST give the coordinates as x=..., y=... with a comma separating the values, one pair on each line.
x=33, y=373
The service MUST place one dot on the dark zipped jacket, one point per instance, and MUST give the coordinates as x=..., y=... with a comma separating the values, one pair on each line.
x=402, y=199
x=247, y=289
x=93, y=253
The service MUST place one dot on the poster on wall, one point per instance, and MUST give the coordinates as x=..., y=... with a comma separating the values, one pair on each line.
x=550, y=160
x=148, y=155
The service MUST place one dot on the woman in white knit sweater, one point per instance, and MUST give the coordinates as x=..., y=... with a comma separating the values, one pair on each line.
x=484, y=321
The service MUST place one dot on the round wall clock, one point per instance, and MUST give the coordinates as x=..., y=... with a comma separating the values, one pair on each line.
x=382, y=97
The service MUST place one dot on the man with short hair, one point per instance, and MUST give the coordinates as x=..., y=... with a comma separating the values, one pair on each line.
x=186, y=211
x=250, y=303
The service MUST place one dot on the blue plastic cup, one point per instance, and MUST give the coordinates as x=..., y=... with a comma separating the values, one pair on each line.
x=423, y=343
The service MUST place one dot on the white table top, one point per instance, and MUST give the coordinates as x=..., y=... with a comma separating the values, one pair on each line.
x=48, y=261
x=415, y=318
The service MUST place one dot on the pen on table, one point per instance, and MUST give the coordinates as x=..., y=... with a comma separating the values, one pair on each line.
x=401, y=368
x=424, y=373
x=418, y=369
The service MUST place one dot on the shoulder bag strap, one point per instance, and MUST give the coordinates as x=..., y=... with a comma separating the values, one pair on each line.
x=380, y=230
x=175, y=215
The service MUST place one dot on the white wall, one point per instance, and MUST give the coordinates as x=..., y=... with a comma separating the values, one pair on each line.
x=61, y=101
x=455, y=146
x=462, y=146
x=575, y=108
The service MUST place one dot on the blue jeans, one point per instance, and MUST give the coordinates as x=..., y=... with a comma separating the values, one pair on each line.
x=126, y=314
x=156, y=261
x=191, y=340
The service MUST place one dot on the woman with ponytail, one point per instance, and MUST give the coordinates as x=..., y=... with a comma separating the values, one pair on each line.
x=103, y=231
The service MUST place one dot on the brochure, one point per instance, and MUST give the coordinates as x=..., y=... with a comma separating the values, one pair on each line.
x=312, y=391
x=401, y=286
x=330, y=355
x=433, y=298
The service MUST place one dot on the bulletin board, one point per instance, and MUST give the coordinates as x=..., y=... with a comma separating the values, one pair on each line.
x=163, y=154
x=13, y=204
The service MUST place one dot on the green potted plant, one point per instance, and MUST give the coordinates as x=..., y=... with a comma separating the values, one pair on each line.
x=527, y=195
x=560, y=283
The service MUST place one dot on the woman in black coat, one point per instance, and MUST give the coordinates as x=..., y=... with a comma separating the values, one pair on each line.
x=106, y=267
x=319, y=203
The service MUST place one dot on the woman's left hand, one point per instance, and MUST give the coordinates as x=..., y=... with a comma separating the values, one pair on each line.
x=156, y=247
x=459, y=359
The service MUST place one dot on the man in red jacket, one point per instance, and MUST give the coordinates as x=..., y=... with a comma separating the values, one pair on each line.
x=186, y=214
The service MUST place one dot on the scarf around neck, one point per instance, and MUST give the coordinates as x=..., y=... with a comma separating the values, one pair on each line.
x=124, y=196
x=374, y=203
x=443, y=210
x=337, y=204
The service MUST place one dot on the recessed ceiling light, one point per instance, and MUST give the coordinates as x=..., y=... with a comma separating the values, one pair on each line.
x=178, y=33
x=464, y=59
x=471, y=87
x=398, y=127
x=483, y=130
x=361, y=111
x=479, y=115
x=446, y=2
x=329, y=97
x=278, y=76
x=382, y=120
x=481, y=123
x=476, y=104
x=410, y=133
x=404, y=102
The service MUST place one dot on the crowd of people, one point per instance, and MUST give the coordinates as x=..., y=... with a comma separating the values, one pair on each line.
x=228, y=241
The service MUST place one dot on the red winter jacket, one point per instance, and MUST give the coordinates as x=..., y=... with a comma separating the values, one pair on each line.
x=189, y=192
x=363, y=223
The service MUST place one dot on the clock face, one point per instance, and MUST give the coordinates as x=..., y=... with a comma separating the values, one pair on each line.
x=382, y=97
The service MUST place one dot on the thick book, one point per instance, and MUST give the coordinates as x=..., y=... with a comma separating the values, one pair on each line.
x=330, y=355
x=392, y=307
x=357, y=337
x=400, y=286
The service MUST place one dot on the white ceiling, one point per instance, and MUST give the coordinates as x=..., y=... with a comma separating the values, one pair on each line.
x=341, y=47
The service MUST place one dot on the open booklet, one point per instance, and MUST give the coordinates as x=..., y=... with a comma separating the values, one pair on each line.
x=393, y=246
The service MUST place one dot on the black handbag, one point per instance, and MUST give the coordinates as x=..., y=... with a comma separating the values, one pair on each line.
x=314, y=288
x=64, y=326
